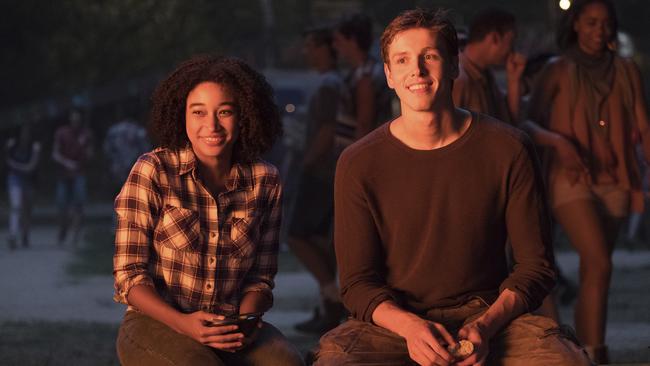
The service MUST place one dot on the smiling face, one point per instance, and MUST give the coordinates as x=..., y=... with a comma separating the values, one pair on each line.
x=211, y=122
x=419, y=69
x=593, y=28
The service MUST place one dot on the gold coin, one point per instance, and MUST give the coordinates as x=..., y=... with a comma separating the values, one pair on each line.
x=462, y=349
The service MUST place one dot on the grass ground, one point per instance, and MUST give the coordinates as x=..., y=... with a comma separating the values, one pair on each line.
x=57, y=343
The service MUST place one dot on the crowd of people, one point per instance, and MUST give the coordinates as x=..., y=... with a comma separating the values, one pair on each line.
x=73, y=148
x=428, y=227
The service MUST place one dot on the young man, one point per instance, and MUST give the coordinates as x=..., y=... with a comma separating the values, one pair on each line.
x=423, y=207
x=489, y=44
x=369, y=96
x=310, y=236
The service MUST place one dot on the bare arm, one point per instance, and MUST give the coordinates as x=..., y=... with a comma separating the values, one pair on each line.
x=365, y=104
x=543, y=96
x=514, y=67
x=146, y=299
x=255, y=302
x=31, y=164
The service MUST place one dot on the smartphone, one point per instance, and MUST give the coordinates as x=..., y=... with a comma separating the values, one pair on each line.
x=247, y=322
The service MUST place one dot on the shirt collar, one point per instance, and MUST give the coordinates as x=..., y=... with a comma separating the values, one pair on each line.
x=240, y=178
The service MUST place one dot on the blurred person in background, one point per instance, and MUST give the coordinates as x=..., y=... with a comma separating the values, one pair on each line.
x=310, y=236
x=586, y=107
x=73, y=148
x=492, y=33
x=370, y=97
x=22, y=157
x=199, y=222
x=125, y=141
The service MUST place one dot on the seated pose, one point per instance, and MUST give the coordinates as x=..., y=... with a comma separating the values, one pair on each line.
x=423, y=207
x=198, y=222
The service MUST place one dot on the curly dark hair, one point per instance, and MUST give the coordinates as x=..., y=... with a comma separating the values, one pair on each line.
x=259, y=117
x=566, y=35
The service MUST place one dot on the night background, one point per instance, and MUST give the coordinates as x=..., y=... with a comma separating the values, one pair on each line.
x=106, y=57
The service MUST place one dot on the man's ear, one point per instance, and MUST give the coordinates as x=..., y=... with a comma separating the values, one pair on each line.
x=389, y=80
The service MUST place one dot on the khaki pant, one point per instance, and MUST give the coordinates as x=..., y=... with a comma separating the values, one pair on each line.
x=529, y=340
x=143, y=341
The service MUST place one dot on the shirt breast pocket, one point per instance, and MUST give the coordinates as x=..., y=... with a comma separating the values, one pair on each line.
x=244, y=233
x=179, y=229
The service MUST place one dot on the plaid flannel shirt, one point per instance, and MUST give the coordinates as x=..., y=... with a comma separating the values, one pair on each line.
x=198, y=252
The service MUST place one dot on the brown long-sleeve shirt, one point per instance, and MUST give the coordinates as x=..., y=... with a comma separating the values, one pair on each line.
x=428, y=228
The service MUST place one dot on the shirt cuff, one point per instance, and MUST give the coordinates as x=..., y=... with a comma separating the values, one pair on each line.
x=122, y=291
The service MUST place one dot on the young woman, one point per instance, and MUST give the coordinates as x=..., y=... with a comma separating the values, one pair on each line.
x=22, y=156
x=588, y=104
x=198, y=223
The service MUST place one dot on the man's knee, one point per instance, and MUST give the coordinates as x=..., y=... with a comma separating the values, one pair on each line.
x=533, y=340
x=356, y=342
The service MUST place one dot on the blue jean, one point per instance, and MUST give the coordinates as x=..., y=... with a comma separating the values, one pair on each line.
x=20, y=191
x=144, y=341
x=71, y=191
x=529, y=340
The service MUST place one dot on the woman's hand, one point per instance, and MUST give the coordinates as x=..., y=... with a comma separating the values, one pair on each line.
x=247, y=341
x=197, y=326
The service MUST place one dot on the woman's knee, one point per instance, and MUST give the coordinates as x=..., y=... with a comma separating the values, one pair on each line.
x=272, y=348
x=144, y=341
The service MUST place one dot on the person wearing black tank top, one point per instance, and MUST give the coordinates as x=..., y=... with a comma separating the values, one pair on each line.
x=22, y=156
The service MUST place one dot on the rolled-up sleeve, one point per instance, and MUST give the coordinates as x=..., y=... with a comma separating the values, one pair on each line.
x=260, y=276
x=529, y=229
x=137, y=206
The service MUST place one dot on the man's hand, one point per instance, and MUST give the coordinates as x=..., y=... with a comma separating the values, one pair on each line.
x=426, y=342
x=515, y=65
x=222, y=337
x=476, y=334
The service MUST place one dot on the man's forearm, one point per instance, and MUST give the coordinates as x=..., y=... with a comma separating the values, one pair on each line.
x=507, y=307
x=390, y=316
